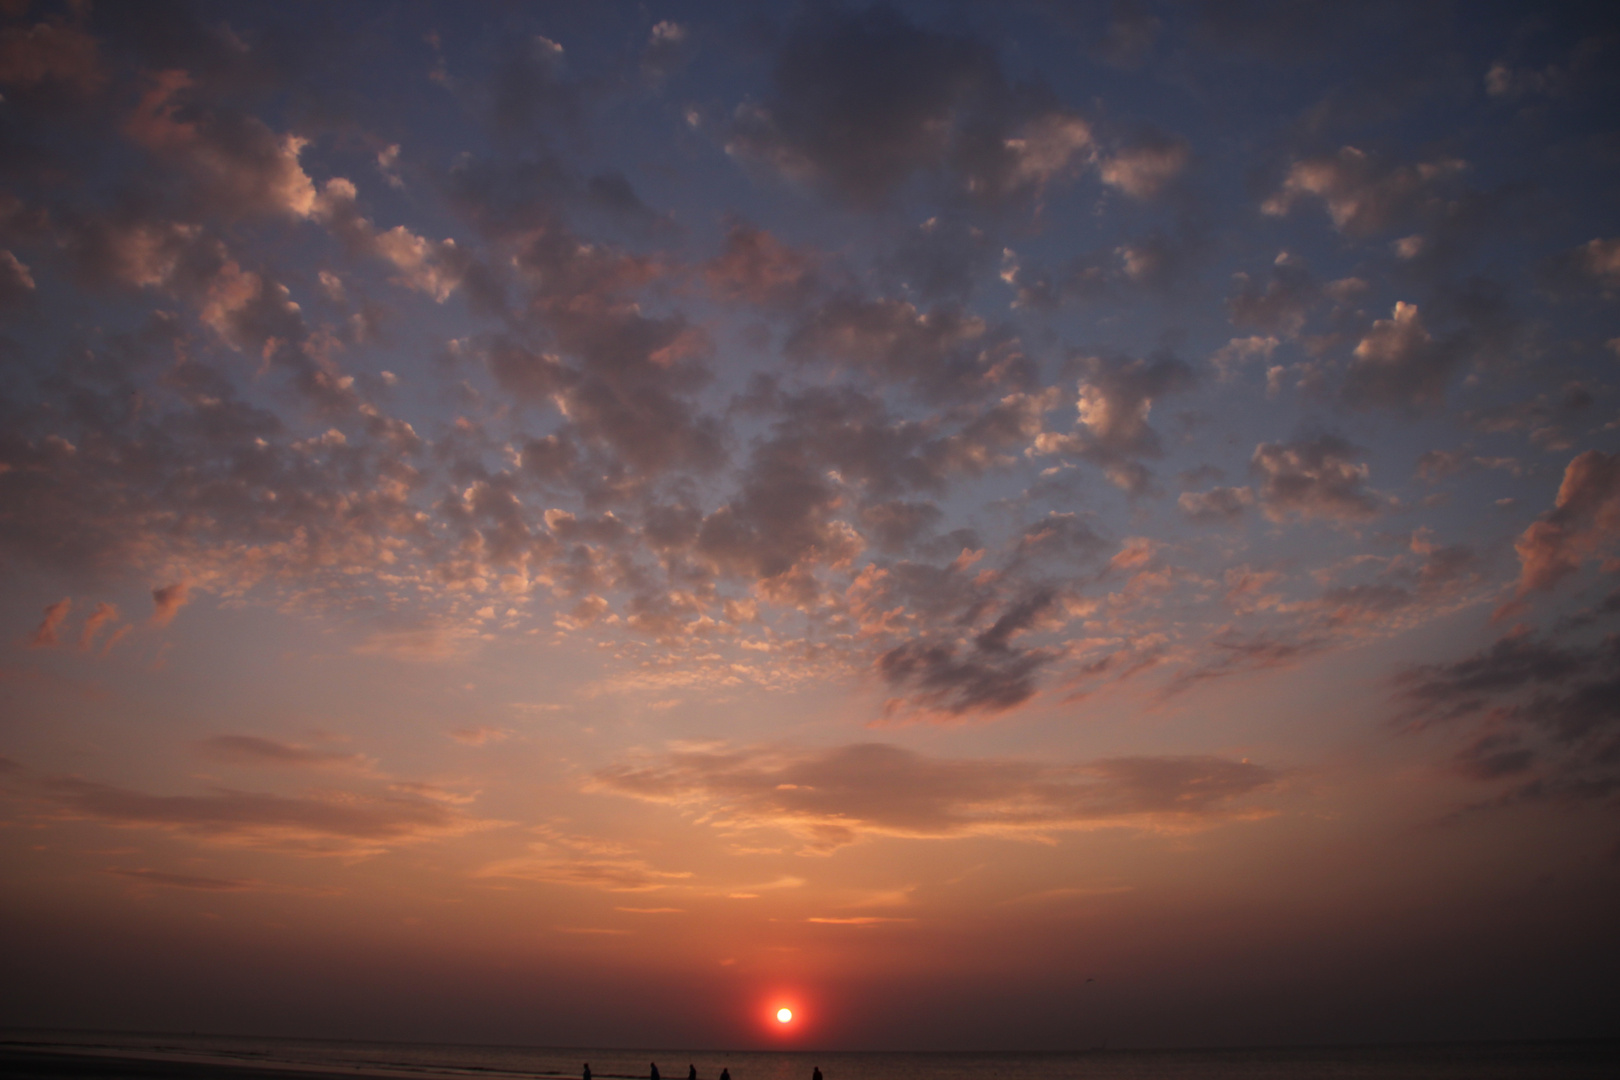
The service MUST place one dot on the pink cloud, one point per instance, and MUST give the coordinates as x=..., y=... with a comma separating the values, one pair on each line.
x=44, y=636
x=103, y=614
x=1584, y=522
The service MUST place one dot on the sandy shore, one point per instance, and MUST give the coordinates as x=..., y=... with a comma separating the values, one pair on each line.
x=23, y=1063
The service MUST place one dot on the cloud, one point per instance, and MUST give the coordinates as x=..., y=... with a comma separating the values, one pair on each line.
x=1314, y=478
x=1216, y=504
x=103, y=615
x=1048, y=146
x=1132, y=30
x=167, y=602
x=947, y=680
x=862, y=100
x=252, y=750
x=945, y=353
x=184, y=881
x=1239, y=351
x=45, y=634
x=609, y=875
x=1594, y=263
x=1583, y=524
x=1232, y=652
x=1511, y=663
x=839, y=796
x=16, y=281
x=1436, y=465
x=1282, y=306
x=668, y=49
x=1542, y=713
x=944, y=258
x=1363, y=195
x=481, y=735
x=237, y=166
x=1145, y=169
x=532, y=91
x=433, y=268
x=347, y=823
x=1116, y=394
x=757, y=268
x=1399, y=365
x=50, y=56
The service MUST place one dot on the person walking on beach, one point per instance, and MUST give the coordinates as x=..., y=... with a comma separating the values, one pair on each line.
x=725, y=1074
x=654, y=1074
x=587, y=1071
x=691, y=1072
x=816, y=1075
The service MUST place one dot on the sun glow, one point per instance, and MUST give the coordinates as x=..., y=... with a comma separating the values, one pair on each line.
x=783, y=1016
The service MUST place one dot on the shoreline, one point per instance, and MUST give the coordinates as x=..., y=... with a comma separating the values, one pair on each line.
x=58, y=1062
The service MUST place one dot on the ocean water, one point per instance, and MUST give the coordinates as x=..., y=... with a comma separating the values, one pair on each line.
x=1470, y=1061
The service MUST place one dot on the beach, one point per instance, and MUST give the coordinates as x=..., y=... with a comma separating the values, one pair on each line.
x=127, y=1056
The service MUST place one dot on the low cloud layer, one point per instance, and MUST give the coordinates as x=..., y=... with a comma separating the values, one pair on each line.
x=829, y=799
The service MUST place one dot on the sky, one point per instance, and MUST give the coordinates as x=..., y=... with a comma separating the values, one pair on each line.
x=1007, y=526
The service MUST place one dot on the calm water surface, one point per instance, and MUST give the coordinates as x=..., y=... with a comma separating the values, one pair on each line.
x=1473, y=1061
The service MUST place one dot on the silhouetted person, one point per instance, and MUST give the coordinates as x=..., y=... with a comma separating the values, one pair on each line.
x=816, y=1075
x=691, y=1072
x=725, y=1074
x=654, y=1074
x=587, y=1071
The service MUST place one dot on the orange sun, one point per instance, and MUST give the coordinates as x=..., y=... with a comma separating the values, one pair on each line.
x=784, y=1015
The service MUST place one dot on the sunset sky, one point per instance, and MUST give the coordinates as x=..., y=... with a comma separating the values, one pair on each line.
x=1007, y=525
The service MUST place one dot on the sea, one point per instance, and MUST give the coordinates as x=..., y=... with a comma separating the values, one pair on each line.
x=1547, y=1060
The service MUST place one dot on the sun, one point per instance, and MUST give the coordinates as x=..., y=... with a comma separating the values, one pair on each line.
x=784, y=1015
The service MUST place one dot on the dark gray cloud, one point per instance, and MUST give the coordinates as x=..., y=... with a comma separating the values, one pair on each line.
x=1543, y=712
x=1216, y=504
x=863, y=100
x=1282, y=306
x=990, y=675
x=1314, y=478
